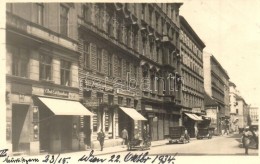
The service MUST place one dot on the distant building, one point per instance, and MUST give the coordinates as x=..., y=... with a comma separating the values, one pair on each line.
x=216, y=82
x=191, y=48
x=254, y=115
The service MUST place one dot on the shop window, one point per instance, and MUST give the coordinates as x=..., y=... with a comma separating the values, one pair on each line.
x=20, y=58
x=45, y=67
x=65, y=72
x=86, y=54
x=99, y=59
x=95, y=121
x=109, y=66
x=64, y=14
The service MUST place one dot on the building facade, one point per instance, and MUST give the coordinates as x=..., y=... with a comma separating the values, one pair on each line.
x=104, y=61
x=191, y=51
x=254, y=115
x=216, y=82
x=42, y=89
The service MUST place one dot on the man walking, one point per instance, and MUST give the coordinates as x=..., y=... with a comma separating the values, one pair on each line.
x=101, y=138
x=124, y=136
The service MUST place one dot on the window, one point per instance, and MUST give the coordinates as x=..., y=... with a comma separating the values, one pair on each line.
x=135, y=42
x=128, y=102
x=157, y=21
x=135, y=104
x=144, y=45
x=150, y=15
x=65, y=73
x=119, y=67
x=143, y=11
x=99, y=59
x=110, y=27
x=45, y=67
x=135, y=72
x=237, y=111
x=157, y=54
x=86, y=54
x=109, y=65
x=110, y=99
x=86, y=13
x=20, y=63
x=151, y=49
x=120, y=100
x=64, y=12
x=39, y=13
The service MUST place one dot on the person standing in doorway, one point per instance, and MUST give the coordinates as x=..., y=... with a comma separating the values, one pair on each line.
x=101, y=138
x=124, y=136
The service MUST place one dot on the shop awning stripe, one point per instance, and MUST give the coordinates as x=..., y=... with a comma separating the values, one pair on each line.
x=65, y=107
x=131, y=112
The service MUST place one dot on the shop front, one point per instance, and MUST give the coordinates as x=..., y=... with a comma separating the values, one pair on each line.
x=191, y=121
x=159, y=120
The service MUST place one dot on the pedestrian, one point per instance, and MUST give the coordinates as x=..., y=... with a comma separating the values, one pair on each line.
x=196, y=129
x=247, y=134
x=101, y=138
x=124, y=135
x=255, y=136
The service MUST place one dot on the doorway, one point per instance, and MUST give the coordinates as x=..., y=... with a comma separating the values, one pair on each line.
x=20, y=127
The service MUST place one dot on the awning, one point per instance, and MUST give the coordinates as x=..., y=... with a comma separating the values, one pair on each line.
x=133, y=113
x=65, y=107
x=194, y=117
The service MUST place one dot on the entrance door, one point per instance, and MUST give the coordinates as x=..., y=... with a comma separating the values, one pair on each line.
x=20, y=128
x=66, y=132
x=155, y=128
x=87, y=130
x=124, y=121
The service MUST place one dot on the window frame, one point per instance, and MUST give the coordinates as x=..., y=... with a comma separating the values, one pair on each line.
x=63, y=71
x=45, y=64
x=64, y=26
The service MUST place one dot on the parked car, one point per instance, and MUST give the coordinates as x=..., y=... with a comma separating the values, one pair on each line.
x=178, y=134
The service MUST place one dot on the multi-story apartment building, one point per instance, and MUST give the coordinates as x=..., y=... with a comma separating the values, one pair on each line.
x=118, y=60
x=242, y=111
x=42, y=89
x=191, y=51
x=254, y=115
x=216, y=86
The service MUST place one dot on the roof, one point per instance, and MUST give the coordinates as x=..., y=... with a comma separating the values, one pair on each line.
x=208, y=101
x=185, y=23
x=232, y=84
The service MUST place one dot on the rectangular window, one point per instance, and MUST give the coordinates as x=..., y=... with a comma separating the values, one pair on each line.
x=39, y=13
x=135, y=72
x=120, y=100
x=20, y=63
x=95, y=120
x=143, y=11
x=119, y=67
x=106, y=113
x=86, y=13
x=109, y=67
x=45, y=67
x=64, y=14
x=110, y=99
x=128, y=102
x=86, y=54
x=157, y=54
x=65, y=73
x=99, y=59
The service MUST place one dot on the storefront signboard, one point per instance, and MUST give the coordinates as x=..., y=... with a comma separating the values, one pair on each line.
x=56, y=93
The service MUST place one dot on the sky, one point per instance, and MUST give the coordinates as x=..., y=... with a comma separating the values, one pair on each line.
x=231, y=31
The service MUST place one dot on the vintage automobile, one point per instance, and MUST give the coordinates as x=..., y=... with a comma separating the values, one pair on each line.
x=178, y=134
x=139, y=143
x=205, y=132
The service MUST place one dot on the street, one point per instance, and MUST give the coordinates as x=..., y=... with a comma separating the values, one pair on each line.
x=218, y=145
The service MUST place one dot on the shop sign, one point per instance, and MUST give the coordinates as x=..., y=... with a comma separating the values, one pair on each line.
x=55, y=92
x=125, y=92
x=21, y=88
x=92, y=103
x=150, y=115
x=196, y=110
x=148, y=107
